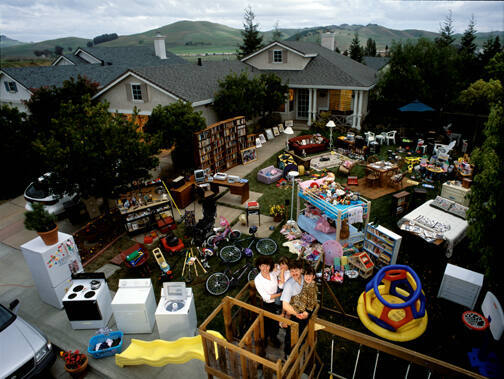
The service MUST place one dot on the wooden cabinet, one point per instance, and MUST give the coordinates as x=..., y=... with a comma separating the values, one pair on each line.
x=381, y=243
x=460, y=285
x=401, y=203
x=456, y=193
x=183, y=195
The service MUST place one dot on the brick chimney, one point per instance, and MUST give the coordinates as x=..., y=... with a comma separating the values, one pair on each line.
x=159, y=46
x=328, y=40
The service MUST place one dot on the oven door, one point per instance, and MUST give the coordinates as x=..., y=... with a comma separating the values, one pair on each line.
x=82, y=310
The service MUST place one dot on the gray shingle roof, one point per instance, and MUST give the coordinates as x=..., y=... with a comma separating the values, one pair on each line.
x=132, y=56
x=36, y=77
x=376, y=62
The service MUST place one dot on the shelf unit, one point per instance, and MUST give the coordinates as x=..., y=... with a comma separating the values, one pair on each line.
x=151, y=200
x=401, y=203
x=217, y=147
x=381, y=243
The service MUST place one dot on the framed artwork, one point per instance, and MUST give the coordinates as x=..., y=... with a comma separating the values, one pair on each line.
x=280, y=128
x=269, y=134
x=262, y=138
x=248, y=155
x=275, y=131
x=289, y=123
x=258, y=143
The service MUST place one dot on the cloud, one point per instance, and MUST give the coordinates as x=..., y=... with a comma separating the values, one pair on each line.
x=37, y=20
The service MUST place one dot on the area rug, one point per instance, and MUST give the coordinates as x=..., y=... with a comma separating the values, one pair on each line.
x=373, y=193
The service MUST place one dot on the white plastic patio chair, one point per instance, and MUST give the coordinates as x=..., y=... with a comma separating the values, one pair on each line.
x=443, y=149
x=391, y=136
x=370, y=137
x=381, y=138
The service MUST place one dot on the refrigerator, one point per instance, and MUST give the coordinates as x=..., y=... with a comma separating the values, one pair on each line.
x=51, y=267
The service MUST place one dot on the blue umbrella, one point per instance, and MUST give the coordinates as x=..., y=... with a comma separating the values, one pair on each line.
x=416, y=106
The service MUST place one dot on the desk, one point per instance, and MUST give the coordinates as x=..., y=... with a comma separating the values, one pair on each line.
x=241, y=189
x=183, y=195
x=383, y=170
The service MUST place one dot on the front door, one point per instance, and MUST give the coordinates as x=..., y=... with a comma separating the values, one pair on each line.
x=302, y=104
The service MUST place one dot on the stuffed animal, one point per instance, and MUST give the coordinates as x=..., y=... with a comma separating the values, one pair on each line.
x=345, y=230
x=243, y=219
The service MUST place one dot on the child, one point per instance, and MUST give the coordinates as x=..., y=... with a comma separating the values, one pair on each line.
x=282, y=271
x=306, y=300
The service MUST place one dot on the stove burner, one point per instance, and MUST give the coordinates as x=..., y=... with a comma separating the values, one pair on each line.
x=89, y=294
x=78, y=288
x=95, y=284
x=72, y=296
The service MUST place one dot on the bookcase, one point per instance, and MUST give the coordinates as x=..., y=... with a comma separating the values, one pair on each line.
x=218, y=146
x=381, y=243
x=401, y=203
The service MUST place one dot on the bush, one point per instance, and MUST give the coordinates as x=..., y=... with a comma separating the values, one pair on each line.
x=39, y=219
x=270, y=121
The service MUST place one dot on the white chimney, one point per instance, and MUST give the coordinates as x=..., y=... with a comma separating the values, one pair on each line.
x=328, y=41
x=159, y=46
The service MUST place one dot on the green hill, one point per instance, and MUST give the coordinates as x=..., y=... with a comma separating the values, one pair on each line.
x=6, y=41
x=27, y=50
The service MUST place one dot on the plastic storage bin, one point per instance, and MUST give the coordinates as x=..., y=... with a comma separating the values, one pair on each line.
x=99, y=338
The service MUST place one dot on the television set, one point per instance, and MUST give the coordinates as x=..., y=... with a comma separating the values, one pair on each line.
x=199, y=176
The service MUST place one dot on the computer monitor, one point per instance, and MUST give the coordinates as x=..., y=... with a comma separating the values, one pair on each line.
x=199, y=176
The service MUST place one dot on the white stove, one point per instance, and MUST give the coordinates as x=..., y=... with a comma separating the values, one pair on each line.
x=87, y=302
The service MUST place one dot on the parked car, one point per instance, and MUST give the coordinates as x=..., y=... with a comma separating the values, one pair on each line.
x=25, y=352
x=40, y=191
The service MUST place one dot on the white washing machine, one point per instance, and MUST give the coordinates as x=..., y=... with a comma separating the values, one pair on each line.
x=87, y=302
x=176, y=313
x=134, y=306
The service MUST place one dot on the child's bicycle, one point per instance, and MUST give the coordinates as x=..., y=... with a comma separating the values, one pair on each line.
x=233, y=253
x=220, y=282
x=223, y=233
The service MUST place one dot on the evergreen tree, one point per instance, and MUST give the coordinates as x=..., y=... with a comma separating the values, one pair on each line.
x=490, y=47
x=469, y=67
x=356, y=51
x=252, y=40
x=446, y=31
x=370, y=49
x=467, y=41
x=277, y=34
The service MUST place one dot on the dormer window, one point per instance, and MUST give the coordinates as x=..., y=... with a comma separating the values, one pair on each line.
x=136, y=92
x=277, y=56
x=10, y=86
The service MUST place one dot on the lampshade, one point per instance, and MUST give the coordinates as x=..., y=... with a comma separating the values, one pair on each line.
x=293, y=174
x=288, y=130
x=330, y=124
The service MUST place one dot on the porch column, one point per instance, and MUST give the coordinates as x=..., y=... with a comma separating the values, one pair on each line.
x=354, y=109
x=359, y=114
x=310, y=99
x=314, y=117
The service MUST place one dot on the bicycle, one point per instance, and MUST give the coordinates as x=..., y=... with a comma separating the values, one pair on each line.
x=223, y=233
x=233, y=253
x=220, y=282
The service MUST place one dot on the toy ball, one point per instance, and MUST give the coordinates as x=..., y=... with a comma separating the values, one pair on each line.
x=242, y=219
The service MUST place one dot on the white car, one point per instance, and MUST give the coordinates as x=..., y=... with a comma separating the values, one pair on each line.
x=25, y=350
x=39, y=191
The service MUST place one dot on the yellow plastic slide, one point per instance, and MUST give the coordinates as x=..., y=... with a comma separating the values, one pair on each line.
x=158, y=353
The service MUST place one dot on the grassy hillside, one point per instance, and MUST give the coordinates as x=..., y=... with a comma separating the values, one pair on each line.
x=27, y=49
x=6, y=41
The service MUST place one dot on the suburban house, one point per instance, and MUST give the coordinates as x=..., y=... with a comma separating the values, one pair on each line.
x=319, y=79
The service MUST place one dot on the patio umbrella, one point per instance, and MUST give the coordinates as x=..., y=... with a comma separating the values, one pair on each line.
x=416, y=106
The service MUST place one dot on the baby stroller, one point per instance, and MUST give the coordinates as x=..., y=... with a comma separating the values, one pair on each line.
x=204, y=227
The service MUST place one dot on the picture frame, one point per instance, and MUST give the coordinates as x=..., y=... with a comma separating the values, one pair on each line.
x=275, y=131
x=289, y=123
x=262, y=138
x=248, y=155
x=280, y=128
x=258, y=143
x=269, y=134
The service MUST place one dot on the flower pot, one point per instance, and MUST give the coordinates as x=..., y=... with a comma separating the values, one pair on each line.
x=50, y=237
x=277, y=218
x=78, y=372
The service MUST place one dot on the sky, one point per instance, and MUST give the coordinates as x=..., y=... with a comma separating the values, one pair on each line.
x=39, y=20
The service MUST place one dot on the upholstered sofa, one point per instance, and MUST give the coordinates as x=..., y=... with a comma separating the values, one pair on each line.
x=309, y=143
x=269, y=175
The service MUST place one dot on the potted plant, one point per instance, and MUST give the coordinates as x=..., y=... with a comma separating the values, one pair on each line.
x=277, y=211
x=75, y=362
x=43, y=223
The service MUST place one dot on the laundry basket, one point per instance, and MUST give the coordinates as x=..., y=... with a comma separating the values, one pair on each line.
x=100, y=338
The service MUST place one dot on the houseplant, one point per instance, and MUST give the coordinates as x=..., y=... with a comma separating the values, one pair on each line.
x=75, y=362
x=277, y=211
x=43, y=223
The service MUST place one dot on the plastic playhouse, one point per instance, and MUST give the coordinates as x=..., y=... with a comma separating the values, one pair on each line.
x=394, y=310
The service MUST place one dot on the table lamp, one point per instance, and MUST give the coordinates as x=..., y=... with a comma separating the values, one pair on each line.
x=331, y=125
x=293, y=175
x=287, y=131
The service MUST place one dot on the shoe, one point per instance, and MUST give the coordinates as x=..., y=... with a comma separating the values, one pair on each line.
x=275, y=342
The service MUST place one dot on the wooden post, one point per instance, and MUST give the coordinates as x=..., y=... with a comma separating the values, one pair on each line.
x=294, y=333
x=338, y=226
x=226, y=311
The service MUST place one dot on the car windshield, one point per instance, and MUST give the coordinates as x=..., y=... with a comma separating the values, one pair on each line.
x=38, y=190
x=6, y=318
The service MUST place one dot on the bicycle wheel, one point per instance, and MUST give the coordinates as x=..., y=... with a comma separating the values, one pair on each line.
x=230, y=254
x=234, y=235
x=252, y=274
x=266, y=246
x=210, y=240
x=217, y=283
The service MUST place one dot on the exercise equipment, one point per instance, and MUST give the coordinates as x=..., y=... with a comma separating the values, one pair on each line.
x=394, y=310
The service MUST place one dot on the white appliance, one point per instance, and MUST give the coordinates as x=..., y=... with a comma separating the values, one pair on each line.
x=51, y=267
x=134, y=306
x=87, y=302
x=176, y=313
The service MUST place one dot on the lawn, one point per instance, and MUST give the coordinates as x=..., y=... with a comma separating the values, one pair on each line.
x=445, y=337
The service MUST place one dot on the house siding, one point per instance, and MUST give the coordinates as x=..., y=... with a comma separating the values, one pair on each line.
x=89, y=58
x=262, y=61
x=13, y=99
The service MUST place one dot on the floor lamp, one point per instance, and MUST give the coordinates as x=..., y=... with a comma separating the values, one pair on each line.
x=331, y=125
x=287, y=131
x=293, y=175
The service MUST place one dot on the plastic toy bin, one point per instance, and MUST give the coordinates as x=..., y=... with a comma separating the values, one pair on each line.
x=99, y=338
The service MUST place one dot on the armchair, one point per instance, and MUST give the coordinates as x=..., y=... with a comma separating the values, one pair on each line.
x=370, y=137
x=391, y=136
x=444, y=149
x=269, y=175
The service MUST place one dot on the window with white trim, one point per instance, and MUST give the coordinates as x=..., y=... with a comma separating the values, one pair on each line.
x=136, y=92
x=10, y=86
x=277, y=56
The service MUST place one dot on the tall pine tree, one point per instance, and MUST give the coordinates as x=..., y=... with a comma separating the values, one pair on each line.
x=467, y=42
x=356, y=51
x=446, y=31
x=252, y=40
